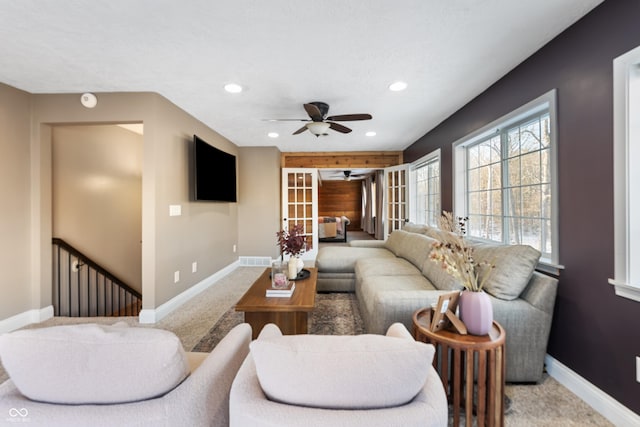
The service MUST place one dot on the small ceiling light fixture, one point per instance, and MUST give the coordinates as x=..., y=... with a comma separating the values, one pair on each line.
x=370, y=133
x=398, y=86
x=89, y=100
x=233, y=88
x=273, y=134
x=318, y=128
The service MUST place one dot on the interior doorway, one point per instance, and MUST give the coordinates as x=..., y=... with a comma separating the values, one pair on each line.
x=97, y=194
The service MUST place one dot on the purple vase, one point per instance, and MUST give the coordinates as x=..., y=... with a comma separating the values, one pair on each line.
x=476, y=312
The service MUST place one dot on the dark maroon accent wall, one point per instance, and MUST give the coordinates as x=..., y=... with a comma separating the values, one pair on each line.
x=595, y=333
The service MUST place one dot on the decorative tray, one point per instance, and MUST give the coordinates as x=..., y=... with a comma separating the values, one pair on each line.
x=304, y=274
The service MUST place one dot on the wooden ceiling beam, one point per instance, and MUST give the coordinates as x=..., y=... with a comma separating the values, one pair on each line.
x=342, y=159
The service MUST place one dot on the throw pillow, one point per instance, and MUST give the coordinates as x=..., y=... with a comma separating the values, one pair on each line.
x=341, y=372
x=411, y=227
x=514, y=266
x=93, y=364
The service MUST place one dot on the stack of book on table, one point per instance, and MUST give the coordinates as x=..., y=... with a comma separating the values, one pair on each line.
x=285, y=292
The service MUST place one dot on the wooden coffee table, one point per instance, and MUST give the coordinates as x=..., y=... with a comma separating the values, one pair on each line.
x=290, y=314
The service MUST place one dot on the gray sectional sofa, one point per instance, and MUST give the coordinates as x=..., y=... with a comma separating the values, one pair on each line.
x=394, y=278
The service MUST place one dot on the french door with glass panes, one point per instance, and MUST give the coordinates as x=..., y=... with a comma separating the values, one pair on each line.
x=300, y=206
x=396, y=198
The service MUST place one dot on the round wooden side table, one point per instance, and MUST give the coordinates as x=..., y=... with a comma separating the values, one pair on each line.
x=461, y=361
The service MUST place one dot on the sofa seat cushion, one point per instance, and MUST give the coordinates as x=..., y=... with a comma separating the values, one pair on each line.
x=381, y=295
x=341, y=372
x=336, y=282
x=342, y=259
x=93, y=364
x=385, y=267
x=514, y=266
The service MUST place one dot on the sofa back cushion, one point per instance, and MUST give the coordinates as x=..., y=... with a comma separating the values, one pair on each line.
x=439, y=277
x=395, y=241
x=514, y=266
x=93, y=364
x=415, y=248
x=341, y=372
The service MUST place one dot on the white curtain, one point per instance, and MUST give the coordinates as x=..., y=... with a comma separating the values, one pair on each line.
x=367, y=211
x=379, y=208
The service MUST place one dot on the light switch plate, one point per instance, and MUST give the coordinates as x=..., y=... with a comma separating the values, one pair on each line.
x=176, y=276
x=175, y=210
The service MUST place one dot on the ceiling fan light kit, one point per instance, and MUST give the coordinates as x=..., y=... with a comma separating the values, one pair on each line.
x=318, y=128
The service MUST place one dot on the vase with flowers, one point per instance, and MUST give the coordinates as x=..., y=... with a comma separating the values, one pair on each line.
x=455, y=256
x=292, y=242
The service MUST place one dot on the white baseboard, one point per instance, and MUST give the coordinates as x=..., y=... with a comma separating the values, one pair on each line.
x=26, y=318
x=606, y=405
x=155, y=315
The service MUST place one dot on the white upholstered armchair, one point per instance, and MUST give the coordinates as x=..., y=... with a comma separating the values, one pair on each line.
x=362, y=380
x=150, y=385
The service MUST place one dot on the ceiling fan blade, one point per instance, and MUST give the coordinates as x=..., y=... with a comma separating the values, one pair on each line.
x=285, y=120
x=350, y=117
x=313, y=112
x=338, y=127
x=299, y=131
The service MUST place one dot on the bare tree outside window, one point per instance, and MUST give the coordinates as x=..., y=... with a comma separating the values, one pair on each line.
x=427, y=192
x=509, y=184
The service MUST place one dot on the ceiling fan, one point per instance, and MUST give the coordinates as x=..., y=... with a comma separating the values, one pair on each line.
x=348, y=175
x=320, y=123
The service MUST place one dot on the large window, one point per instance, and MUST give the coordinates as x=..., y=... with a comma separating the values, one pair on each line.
x=425, y=175
x=505, y=179
x=626, y=143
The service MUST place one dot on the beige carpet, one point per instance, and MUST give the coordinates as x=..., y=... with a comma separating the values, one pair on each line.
x=547, y=404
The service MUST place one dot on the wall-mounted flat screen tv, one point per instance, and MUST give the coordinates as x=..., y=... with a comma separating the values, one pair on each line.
x=215, y=173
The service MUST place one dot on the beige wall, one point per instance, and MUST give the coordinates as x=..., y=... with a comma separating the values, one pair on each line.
x=15, y=280
x=204, y=233
x=97, y=196
x=259, y=197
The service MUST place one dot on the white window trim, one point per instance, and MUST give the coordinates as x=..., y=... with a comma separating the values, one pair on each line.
x=626, y=153
x=543, y=102
x=434, y=155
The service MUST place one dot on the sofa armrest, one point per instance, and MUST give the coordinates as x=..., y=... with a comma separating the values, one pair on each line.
x=204, y=395
x=541, y=292
x=398, y=330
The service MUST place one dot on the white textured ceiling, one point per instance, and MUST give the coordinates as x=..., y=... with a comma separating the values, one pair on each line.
x=284, y=53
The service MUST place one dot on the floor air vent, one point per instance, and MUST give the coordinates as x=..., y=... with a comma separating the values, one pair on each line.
x=255, y=261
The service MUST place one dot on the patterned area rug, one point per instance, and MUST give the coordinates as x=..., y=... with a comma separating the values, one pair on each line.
x=334, y=314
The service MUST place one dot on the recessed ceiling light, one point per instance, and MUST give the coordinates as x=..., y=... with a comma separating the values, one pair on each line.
x=233, y=88
x=397, y=86
x=370, y=133
x=273, y=135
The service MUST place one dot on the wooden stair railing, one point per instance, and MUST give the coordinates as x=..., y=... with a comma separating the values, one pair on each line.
x=83, y=288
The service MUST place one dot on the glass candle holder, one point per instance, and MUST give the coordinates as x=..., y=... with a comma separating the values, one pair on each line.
x=279, y=271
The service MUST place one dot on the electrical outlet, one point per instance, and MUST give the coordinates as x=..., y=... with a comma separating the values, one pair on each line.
x=234, y=249
x=638, y=369
x=176, y=276
x=194, y=267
